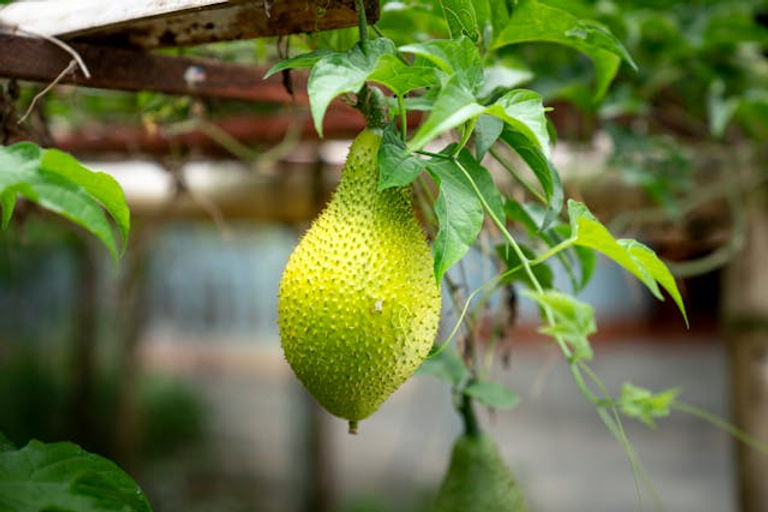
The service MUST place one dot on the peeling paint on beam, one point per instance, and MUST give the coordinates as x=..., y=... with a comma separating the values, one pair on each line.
x=156, y=23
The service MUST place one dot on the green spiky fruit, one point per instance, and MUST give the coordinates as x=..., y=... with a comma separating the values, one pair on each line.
x=358, y=305
x=477, y=480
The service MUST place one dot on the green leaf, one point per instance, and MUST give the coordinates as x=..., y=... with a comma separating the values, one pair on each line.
x=542, y=168
x=492, y=394
x=458, y=58
x=641, y=404
x=635, y=257
x=305, y=60
x=483, y=181
x=99, y=185
x=487, y=131
x=64, y=477
x=397, y=167
x=587, y=263
x=461, y=18
x=589, y=232
x=454, y=106
x=459, y=208
x=574, y=320
x=525, y=214
x=523, y=111
x=57, y=182
x=459, y=214
x=341, y=72
x=503, y=77
x=401, y=78
x=650, y=263
x=532, y=20
x=447, y=366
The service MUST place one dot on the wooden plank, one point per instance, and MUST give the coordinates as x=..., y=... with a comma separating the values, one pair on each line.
x=155, y=23
x=130, y=70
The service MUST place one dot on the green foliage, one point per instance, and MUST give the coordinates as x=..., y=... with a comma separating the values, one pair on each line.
x=461, y=18
x=5, y=444
x=447, y=366
x=397, y=167
x=573, y=321
x=64, y=477
x=342, y=72
x=542, y=168
x=532, y=20
x=464, y=186
x=492, y=394
x=644, y=405
x=641, y=261
x=58, y=182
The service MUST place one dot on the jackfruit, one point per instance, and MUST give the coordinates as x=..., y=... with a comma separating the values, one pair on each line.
x=477, y=480
x=358, y=306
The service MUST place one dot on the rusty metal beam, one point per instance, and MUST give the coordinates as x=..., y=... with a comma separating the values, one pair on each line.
x=37, y=60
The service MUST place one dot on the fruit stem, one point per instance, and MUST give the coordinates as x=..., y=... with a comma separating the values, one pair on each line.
x=353, y=427
x=467, y=411
x=373, y=105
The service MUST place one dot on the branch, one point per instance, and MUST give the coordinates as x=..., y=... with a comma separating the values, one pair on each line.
x=46, y=90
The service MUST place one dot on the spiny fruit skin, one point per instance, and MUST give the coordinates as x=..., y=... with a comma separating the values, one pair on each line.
x=477, y=480
x=358, y=305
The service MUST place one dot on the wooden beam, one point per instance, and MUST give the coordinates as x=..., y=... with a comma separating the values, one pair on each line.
x=130, y=70
x=155, y=23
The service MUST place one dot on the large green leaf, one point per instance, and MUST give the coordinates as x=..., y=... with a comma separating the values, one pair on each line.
x=342, y=72
x=457, y=58
x=58, y=182
x=532, y=20
x=454, y=106
x=459, y=214
x=401, y=78
x=461, y=18
x=62, y=477
x=463, y=182
x=522, y=110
